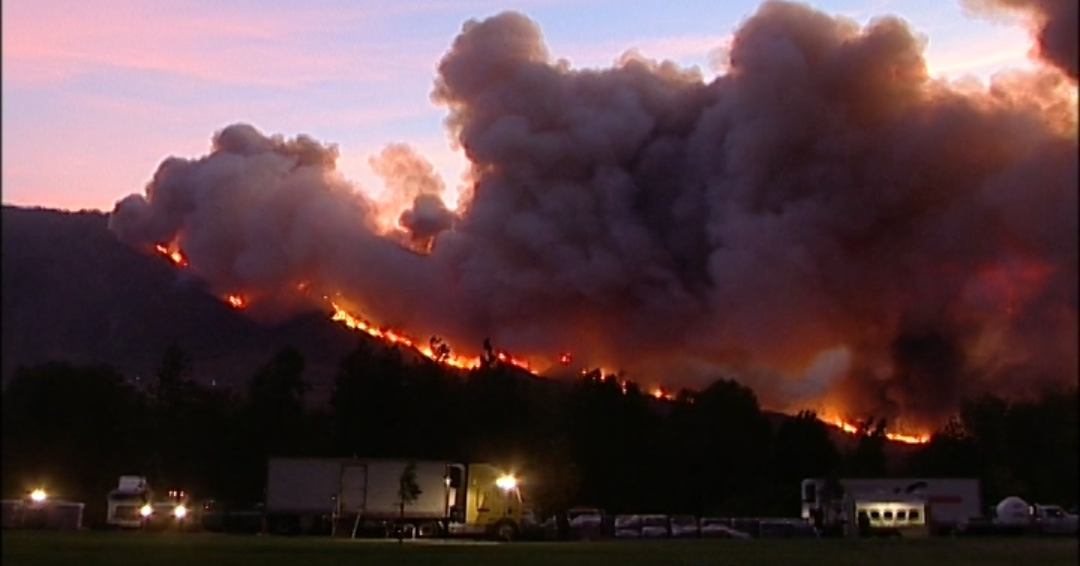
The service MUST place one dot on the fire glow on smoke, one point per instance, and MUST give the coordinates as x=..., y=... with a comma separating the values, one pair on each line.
x=823, y=193
x=431, y=352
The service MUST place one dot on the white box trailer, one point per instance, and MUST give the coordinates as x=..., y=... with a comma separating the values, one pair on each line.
x=950, y=502
x=346, y=487
x=303, y=492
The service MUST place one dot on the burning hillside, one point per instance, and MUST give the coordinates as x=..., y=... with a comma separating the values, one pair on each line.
x=823, y=220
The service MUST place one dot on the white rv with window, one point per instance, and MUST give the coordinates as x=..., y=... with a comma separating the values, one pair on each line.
x=940, y=504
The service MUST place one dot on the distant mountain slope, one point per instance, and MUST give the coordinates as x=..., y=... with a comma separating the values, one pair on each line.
x=71, y=291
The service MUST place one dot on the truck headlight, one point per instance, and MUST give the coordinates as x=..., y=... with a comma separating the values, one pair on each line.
x=506, y=482
x=38, y=495
x=180, y=512
x=146, y=510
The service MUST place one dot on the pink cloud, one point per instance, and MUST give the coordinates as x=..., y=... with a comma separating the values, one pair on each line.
x=49, y=41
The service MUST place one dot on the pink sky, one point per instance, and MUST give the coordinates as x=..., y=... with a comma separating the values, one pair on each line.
x=96, y=94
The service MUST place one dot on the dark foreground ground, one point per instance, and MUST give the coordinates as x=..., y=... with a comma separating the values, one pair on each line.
x=23, y=548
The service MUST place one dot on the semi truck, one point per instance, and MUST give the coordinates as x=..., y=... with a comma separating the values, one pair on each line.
x=129, y=504
x=929, y=505
x=133, y=505
x=347, y=494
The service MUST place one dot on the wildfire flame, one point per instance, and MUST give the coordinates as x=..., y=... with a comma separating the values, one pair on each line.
x=659, y=393
x=894, y=436
x=462, y=362
x=395, y=337
x=173, y=255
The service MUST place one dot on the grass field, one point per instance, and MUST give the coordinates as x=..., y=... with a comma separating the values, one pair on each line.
x=24, y=548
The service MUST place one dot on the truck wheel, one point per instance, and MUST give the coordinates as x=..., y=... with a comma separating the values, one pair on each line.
x=505, y=531
x=428, y=530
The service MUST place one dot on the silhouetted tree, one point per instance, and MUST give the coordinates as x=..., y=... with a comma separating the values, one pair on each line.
x=867, y=460
x=276, y=420
x=801, y=448
x=408, y=492
x=950, y=452
x=367, y=403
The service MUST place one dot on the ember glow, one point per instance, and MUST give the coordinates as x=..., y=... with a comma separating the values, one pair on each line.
x=659, y=393
x=236, y=301
x=173, y=255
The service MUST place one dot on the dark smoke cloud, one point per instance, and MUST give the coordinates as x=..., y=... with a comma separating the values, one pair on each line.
x=1055, y=23
x=822, y=196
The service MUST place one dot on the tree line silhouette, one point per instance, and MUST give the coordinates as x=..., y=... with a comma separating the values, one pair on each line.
x=596, y=441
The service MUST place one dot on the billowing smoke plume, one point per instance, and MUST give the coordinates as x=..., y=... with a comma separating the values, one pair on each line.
x=412, y=181
x=1055, y=23
x=823, y=213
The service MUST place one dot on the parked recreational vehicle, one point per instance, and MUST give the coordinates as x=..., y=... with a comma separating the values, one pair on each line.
x=940, y=504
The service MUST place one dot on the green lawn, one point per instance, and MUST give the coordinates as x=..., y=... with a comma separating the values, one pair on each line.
x=22, y=548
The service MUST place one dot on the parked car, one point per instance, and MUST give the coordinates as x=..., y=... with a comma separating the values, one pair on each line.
x=654, y=526
x=684, y=526
x=714, y=527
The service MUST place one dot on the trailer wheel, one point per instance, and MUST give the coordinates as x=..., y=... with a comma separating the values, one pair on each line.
x=505, y=531
x=428, y=530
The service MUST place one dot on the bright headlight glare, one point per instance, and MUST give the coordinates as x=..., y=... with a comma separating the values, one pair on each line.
x=38, y=495
x=180, y=511
x=146, y=510
x=506, y=482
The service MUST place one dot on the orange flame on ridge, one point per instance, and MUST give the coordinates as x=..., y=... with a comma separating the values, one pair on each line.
x=894, y=436
x=395, y=337
x=461, y=362
x=173, y=255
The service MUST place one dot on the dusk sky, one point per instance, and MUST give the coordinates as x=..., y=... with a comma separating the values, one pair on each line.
x=97, y=94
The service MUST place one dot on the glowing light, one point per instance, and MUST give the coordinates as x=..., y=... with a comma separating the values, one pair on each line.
x=146, y=510
x=173, y=255
x=236, y=301
x=506, y=482
x=565, y=358
x=180, y=511
x=659, y=393
x=38, y=495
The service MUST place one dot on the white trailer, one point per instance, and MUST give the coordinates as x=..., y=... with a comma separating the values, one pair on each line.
x=950, y=502
x=303, y=494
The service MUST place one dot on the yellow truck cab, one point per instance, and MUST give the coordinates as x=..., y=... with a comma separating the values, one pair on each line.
x=493, y=503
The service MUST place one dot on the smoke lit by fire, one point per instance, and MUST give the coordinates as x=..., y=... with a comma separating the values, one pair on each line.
x=174, y=255
x=824, y=194
x=432, y=352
